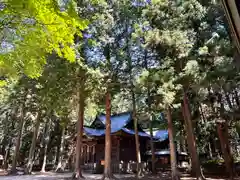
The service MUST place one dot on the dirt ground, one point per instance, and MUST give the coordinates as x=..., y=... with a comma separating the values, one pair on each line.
x=67, y=176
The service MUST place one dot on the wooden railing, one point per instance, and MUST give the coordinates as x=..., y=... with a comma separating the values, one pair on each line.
x=117, y=168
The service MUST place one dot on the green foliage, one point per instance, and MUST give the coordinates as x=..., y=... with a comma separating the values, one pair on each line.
x=33, y=29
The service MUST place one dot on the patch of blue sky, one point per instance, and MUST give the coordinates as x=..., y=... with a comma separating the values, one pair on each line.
x=141, y=3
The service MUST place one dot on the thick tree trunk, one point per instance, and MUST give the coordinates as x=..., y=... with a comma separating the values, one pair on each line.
x=33, y=145
x=175, y=175
x=107, y=163
x=196, y=169
x=187, y=134
x=18, y=142
x=222, y=129
x=60, y=167
x=46, y=141
x=77, y=171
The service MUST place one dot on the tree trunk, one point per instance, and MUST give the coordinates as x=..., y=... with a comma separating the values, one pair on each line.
x=107, y=163
x=134, y=117
x=18, y=142
x=151, y=135
x=183, y=147
x=223, y=137
x=175, y=175
x=237, y=98
x=6, y=156
x=138, y=153
x=152, y=150
x=44, y=159
x=60, y=167
x=78, y=172
x=210, y=149
x=70, y=158
x=33, y=145
x=46, y=141
x=150, y=111
x=222, y=128
x=191, y=139
x=57, y=154
x=188, y=140
x=205, y=121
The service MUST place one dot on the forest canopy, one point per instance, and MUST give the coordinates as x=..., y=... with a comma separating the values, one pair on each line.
x=64, y=62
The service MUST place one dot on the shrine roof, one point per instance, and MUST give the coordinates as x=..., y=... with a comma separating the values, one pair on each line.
x=120, y=122
x=161, y=135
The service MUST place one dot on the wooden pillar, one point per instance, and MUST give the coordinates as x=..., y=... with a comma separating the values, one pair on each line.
x=93, y=152
x=84, y=154
x=118, y=150
x=88, y=153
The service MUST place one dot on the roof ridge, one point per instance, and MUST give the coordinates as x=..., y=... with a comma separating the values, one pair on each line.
x=117, y=114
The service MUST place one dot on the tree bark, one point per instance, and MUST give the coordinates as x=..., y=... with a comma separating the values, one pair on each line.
x=33, y=145
x=222, y=129
x=223, y=137
x=210, y=149
x=107, y=162
x=151, y=135
x=6, y=156
x=175, y=175
x=187, y=134
x=60, y=167
x=18, y=142
x=138, y=153
x=44, y=159
x=237, y=98
x=196, y=170
x=134, y=117
x=78, y=172
x=205, y=121
x=46, y=141
x=184, y=148
x=57, y=153
x=152, y=150
x=150, y=111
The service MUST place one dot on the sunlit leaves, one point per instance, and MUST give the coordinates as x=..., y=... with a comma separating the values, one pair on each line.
x=203, y=50
x=39, y=28
x=191, y=68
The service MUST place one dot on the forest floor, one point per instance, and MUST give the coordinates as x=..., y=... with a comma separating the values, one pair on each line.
x=67, y=176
